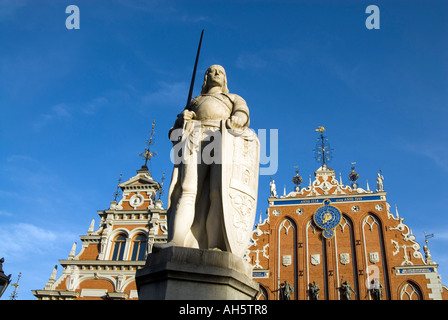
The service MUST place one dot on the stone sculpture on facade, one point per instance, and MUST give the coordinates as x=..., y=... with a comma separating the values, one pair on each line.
x=377, y=289
x=379, y=182
x=314, y=291
x=213, y=192
x=346, y=290
x=286, y=290
x=273, y=188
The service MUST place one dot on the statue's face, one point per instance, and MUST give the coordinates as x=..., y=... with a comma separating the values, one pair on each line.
x=215, y=76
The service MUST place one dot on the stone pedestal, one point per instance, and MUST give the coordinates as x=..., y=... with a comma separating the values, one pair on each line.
x=178, y=273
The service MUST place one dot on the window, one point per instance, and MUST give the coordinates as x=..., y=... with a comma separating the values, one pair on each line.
x=119, y=245
x=410, y=291
x=139, y=247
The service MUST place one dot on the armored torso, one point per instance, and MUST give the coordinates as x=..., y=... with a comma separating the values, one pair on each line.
x=211, y=107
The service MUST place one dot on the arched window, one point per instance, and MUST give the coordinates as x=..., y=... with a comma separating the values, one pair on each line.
x=410, y=291
x=262, y=294
x=119, y=245
x=139, y=247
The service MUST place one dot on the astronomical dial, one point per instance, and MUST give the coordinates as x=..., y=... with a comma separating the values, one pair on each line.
x=327, y=217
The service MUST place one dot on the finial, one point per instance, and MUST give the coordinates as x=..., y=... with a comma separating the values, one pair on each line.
x=353, y=176
x=322, y=151
x=147, y=155
x=297, y=179
x=115, y=194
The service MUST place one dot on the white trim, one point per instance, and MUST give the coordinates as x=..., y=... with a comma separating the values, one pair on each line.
x=133, y=294
x=93, y=292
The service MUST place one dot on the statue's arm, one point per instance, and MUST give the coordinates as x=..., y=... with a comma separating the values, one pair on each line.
x=185, y=115
x=240, y=111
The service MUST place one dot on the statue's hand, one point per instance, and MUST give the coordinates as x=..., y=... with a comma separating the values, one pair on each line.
x=188, y=115
x=236, y=122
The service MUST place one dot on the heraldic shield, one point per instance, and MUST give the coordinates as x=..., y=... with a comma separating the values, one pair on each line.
x=240, y=167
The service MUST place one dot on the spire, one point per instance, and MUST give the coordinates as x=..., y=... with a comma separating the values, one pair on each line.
x=323, y=151
x=53, y=273
x=71, y=255
x=52, y=280
x=91, y=227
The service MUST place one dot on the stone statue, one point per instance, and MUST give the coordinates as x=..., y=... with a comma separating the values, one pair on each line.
x=346, y=291
x=213, y=191
x=377, y=289
x=285, y=291
x=379, y=182
x=314, y=291
x=273, y=188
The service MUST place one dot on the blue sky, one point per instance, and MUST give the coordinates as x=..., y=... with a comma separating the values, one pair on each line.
x=77, y=105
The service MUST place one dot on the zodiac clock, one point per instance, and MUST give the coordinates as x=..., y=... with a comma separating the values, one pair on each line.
x=327, y=218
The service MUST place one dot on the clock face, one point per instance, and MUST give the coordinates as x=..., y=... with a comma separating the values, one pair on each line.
x=328, y=233
x=327, y=217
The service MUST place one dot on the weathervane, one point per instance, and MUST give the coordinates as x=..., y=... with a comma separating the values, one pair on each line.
x=160, y=192
x=115, y=194
x=297, y=179
x=426, y=249
x=14, y=294
x=428, y=236
x=147, y=155
x=323, y=152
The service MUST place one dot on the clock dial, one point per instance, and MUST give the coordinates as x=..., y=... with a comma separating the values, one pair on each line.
x=328, y=233
x=327, y=217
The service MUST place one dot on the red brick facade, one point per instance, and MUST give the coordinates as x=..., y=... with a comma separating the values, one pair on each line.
x=369, y=243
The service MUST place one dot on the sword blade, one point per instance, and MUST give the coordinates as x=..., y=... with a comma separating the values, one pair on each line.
x=190, y=93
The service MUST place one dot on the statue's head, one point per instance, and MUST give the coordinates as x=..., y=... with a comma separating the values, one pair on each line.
x=213, y=77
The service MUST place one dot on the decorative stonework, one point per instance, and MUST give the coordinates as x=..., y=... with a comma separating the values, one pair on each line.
x=315, y=259
x=344, y=258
